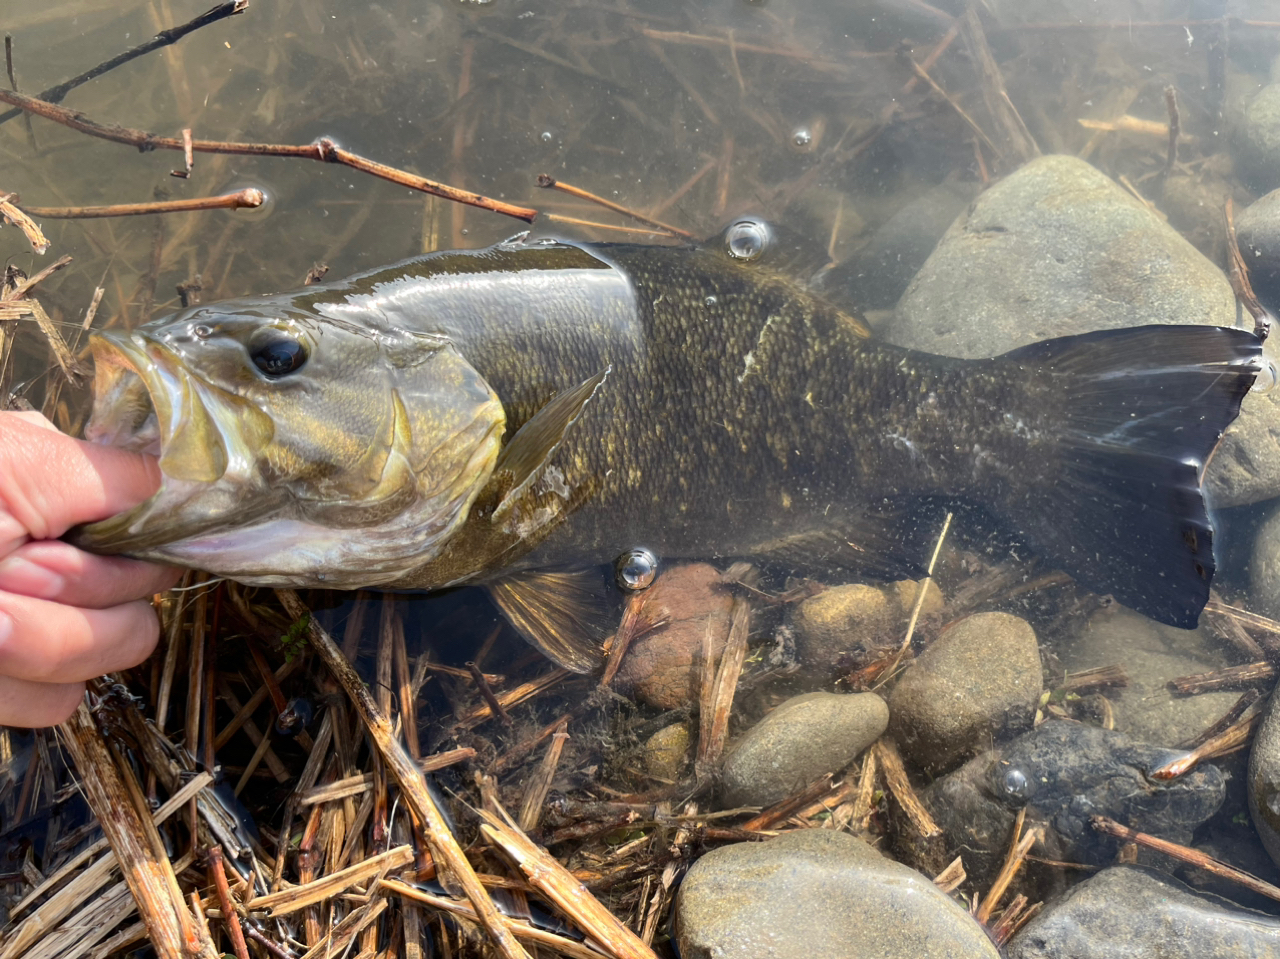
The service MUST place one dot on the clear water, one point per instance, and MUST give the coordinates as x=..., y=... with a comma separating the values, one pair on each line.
x=805, y=112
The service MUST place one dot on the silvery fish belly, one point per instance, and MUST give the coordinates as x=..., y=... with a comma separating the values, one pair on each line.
x=503, y=414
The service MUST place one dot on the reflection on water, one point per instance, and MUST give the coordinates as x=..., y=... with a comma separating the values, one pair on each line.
x=865, y=128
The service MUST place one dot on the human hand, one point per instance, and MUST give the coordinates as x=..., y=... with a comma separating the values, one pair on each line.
x=66, y=615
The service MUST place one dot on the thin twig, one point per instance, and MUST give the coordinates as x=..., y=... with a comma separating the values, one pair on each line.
x=550, y=182
x=229, y=914
x=324, y=150
x=240, y=200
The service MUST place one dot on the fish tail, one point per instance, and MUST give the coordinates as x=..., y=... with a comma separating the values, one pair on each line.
x=1131, y=418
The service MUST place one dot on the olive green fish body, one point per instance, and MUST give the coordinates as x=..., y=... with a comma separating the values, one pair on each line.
x=469, y=415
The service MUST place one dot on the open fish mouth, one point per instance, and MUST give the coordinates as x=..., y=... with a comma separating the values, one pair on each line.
x=143, y=401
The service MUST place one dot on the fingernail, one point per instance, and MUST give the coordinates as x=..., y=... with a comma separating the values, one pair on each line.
x=18, y=575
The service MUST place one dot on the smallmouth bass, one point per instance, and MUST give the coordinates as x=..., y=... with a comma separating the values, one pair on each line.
x=499, y=414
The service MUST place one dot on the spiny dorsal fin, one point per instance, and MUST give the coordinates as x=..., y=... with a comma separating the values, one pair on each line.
x=523, y=458
x=564, y=614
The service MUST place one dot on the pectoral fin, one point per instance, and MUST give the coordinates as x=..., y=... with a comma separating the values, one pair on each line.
x=564, y=614
x=523, y=459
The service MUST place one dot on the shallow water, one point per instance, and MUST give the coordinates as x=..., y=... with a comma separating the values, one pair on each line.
x=806, y=113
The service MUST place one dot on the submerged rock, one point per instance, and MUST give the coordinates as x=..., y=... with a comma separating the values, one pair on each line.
x=1065, y=773
x=814, y=893
x=846, y=627
x=1073, y=252
x=1257, y=139
x=1151, y=654
x=978, y=682
x=659, y=668
x=877, y=274
x=1264, y=567
x=801, y=740
x=1264, y=779
x=1127, y=911
x=666, y=752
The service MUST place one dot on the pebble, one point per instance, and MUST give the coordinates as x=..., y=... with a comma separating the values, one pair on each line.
x=666, y=752
x=817, y=892
x=1264, y=779
x=1065, y=773
x=798, y=742
x=844, y=628
x=1151, y=655
x=1128, y=911
x=1074, y=252
x=979, y=681
x=659, y=668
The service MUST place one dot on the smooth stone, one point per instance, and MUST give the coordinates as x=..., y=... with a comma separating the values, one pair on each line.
x=666, y=752
x=1073, y=252
x=1264, y=566
x=1264, y=779
x=1065, y=773
x=1128, y=911
x=1194, y=204
x=798, y=742
x=818, y=893
x=846, y=627
x=1151, y=655
x=978, y=681
x=659, y=668
x=876, y=276
x=1258, y=233
x=1257, y=139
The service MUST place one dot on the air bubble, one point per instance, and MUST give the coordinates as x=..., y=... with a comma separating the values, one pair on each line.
x=746, y=239
x=636, y=569
x=710, y=301
x=1016, y=785
x=801, y=139
x=1267, y=378
x=546, y=136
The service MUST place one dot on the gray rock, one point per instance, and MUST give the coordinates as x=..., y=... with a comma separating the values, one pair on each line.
x=1127, y=911
x=1257, y=139
x=1258, y=233
x=980, y=680
x=1264, y=779
x=876, y=275
x=1264, y=567
x=1151, y=654
x=1060, y=249
x=1055, y=248
x=815, y=893
x=804, y=738
x=1065, y=773
x=845, y=627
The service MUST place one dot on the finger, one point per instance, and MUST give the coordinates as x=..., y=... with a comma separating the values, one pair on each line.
x=49, y=482
x=57, y=571
x=47, y=642
x=32, y=705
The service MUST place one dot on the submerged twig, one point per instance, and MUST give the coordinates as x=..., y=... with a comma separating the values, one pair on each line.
x=323, y=149
x=246, y=199
x=550, y=182
x=11, y=214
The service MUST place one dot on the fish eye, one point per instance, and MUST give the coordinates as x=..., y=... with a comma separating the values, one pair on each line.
x=279, y=357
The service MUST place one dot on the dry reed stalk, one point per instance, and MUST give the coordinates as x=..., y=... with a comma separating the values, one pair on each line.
x=714, y=727
x=555, y=882
x=539, y=785
x=951, y=878
x=136, y=843
x=290, y=900
x=11, y=214
x=1019, y=846
x=444, y=846
x=895, y=775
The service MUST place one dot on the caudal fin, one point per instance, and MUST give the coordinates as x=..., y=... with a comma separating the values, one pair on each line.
x=1138, y=413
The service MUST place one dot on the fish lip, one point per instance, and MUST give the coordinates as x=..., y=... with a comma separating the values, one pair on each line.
x=132, y=368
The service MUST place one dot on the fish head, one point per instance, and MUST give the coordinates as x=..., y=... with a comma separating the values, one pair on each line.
x=295, y=449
